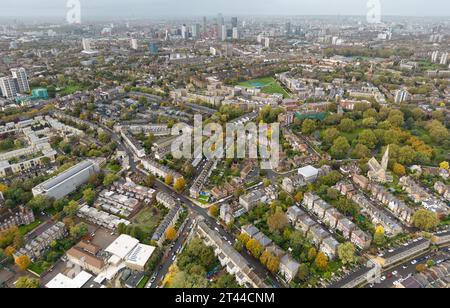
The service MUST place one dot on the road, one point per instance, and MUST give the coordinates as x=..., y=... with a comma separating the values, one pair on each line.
x=171, y=253
x=408, y=268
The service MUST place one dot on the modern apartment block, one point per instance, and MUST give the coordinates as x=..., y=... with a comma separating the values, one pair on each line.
x=68, y=181
x=20, y=75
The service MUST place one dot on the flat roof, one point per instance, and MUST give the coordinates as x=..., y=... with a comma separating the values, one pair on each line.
x=63, y=282
x=140, y=255
x=122, y=246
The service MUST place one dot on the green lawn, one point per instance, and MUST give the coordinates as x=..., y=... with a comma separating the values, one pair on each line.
x=38, y=268
x=143, y=282
x=148, y=219
x=268, y=85
x=28, y=228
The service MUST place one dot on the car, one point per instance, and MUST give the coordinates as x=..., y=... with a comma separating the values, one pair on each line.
x=383, y=278
x=395, y=273
x=389, y=275
x=174, y=257
x=404, y=266
x=217, y=229
x=152, y=280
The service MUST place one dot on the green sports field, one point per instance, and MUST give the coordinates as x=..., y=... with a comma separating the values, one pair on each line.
x=268, y=85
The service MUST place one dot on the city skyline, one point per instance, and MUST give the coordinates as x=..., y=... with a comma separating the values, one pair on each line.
x=141, y=8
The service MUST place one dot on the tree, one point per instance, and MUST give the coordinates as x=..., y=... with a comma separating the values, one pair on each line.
x=421, y=268
x=71, y=209
x=340, y=148
x=255, y=248
x=321, y=261
x=444, y=165
x=309, y=126
x=9, y=251
x=3, y=188
x=179, y=185
x=312, y=253
x=109, y=179
x=27, y=283
x=425, y=220
x=214, y=211
x=277, y=221
x=361, y=151
x=347, y=125
x=150, y=180
x=171, y=234
x=303, y=272
x=169, y=179
x=79, y=230
x=40, y=203
x=298, y=197
x=23, y=262
x=243, y=238
x=329, y=135
x=89, y=196
x=346, y=253
x=368, y=138
x=271, y=261
x=379, y=237
x=396, y=118
x=399, y=169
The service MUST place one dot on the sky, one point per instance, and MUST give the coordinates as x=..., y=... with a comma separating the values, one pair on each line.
x=144, y=8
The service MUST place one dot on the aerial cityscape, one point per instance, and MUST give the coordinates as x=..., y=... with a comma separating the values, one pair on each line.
x=206, y=146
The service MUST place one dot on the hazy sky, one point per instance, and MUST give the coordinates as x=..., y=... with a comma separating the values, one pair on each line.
x=140, y=8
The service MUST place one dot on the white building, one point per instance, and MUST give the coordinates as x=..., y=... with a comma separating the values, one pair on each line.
x=68, y=181
x=20, y=75
x=8, y=87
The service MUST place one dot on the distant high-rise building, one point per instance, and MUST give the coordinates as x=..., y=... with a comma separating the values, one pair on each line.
x=20, y=75
x=267, y=42
x=288, y=28
x=220, y=24
x=234, y=22
x=196, y=31
x=444, y=58
x=134, y=44
x=184, y=32
x=434, y=56
x=87, y=44
x=224, y=33
x=401, y=96
x=235, y=33
x=8, y=87
x=205, y=25
x=153, y=48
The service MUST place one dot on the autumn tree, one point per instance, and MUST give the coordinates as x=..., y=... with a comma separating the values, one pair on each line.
x=321, y=261
x=179, y=185
x=298, y=197
x=169, y=179
x=214, y=211
x=425, y=220
x=399, y=169
x=23, y=262
x=379, y=236
x=171, y=234
x=277, y=221
x=255, y=248
x=444, y=165
x=312, y=253
x=271, y=261
x=243, y=238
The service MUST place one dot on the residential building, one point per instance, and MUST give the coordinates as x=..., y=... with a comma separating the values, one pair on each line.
x=234, y=263
x=8, y=87
x=16, y=217
x=36, y=247
x=288, y=268
x=85, y=255
x=20, y=75
x=250, y=200
x=404, y=252
x=169, y=221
